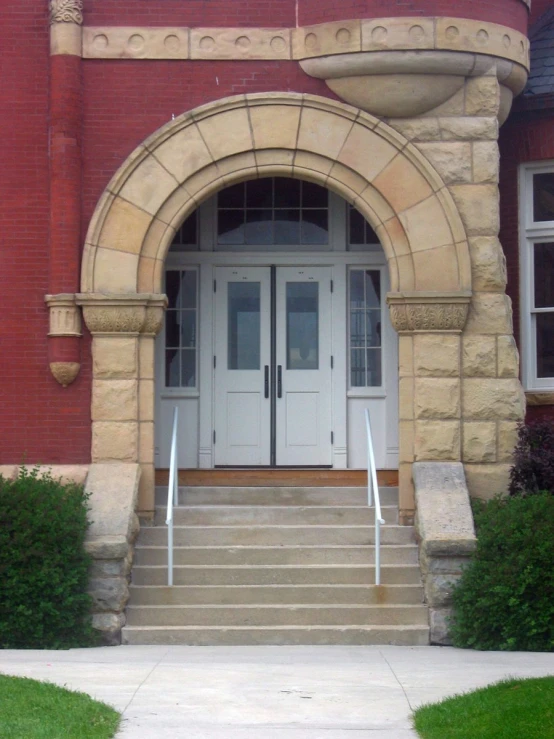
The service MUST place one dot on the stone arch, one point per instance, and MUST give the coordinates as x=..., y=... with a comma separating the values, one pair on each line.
x=270, y=134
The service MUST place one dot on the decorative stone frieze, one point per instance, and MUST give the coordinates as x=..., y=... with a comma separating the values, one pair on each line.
x=65, y=316
x=129, y=314
x=66, y=11
x=427, y=311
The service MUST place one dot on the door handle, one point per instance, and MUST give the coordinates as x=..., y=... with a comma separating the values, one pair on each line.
x=279, y=381
x=266, y=381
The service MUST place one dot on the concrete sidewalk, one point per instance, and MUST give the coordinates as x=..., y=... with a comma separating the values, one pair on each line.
x=271, y=692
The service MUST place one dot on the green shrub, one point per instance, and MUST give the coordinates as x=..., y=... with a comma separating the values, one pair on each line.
x=43, y=563
x=533, y=470
x=505, y=597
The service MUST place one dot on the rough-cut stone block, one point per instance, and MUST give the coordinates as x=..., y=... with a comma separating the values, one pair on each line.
x=101, y=568
x=487, y=480
x=109, y=625
x=439, y=622
x=114, y=441
x=468, y=128
x=438, y=589
x=108, y=594
x=482, y=96
x=451, y=159
x=436, y=355
x=405, y=356
x=493, y=399
x=437, y=397
x=478, y=207
x=113, y=494
x=106, y=547
x=114, y=357
x=417, y=129
x=489, y=313
x=488, y=264
x=507, y=439
x=486, y=161
x=479, y=441
x=508, y=357
x=479, y=356
x=444, y=518
x=437, y=441
x=114, y=400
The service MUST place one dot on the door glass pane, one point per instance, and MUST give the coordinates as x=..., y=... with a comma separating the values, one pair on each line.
x=243, y=340
x=544, y=275
x=543, y=197
x=302, y=325
x=545, y=344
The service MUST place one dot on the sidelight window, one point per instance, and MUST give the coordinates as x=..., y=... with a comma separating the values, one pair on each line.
x=365, y=347
x=181, y=328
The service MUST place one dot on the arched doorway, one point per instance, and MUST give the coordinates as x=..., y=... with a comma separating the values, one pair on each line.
x=276, y=335
x=235, y=140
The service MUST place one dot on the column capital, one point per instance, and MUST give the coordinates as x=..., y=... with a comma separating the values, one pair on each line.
x=128, y=314
x=413, y=312
x=66, y=11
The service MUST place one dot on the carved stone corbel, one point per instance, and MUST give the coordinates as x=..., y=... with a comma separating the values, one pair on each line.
x=65, y=329
x=66, y=20
x=429, y=311
x=66, y=11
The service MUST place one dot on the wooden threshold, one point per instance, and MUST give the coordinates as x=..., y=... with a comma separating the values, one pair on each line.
x=279, y=477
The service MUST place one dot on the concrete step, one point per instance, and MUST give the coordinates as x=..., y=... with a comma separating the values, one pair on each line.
x=279, y=555
x=277, y=496
x=277, y=575
x=276, y=515
x=274, y=535
x=277, y=615
x=157, y=595
x=281, y=535
x=408, y=635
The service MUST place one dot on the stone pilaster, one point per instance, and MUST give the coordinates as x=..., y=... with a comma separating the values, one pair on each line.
x=123, y=328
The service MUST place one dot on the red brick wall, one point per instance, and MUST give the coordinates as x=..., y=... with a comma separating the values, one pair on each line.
x=39, y=421
x=521, y=140
x=280, y=13
x=511, y=13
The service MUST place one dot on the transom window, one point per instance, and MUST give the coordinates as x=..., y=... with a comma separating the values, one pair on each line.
x=537, y=275
x=273, y=211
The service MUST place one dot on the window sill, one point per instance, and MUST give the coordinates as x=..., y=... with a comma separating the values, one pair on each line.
x=539, y=397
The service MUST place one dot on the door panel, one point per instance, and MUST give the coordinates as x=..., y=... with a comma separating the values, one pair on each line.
x=303, y=406
x=242, y=351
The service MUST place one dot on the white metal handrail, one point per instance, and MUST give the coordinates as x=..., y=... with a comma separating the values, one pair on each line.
x=373, y=492
x=172, y=495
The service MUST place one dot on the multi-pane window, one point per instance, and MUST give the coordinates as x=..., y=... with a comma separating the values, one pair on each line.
x=365, y=328
x=186, y=236
x=273, y=211
x=181, y=328
x=360, y=233
x=537, y=266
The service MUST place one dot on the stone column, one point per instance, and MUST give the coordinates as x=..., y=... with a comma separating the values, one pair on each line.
x=429, y=327
x=123, y=328
x=467, y=398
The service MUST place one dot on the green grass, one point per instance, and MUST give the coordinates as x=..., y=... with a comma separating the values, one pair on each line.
x=510, y=709
x=33, y=710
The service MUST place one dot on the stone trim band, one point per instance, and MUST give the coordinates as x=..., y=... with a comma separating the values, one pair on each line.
x=342, y=37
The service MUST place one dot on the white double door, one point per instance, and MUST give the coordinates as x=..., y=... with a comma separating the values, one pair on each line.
x=273, y=366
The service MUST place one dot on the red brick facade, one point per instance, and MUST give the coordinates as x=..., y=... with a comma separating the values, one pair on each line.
x=115, y=105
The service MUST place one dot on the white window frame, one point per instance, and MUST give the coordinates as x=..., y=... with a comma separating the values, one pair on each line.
x=531, y=232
